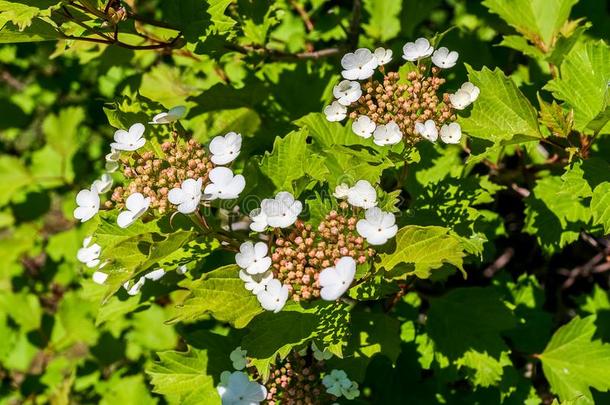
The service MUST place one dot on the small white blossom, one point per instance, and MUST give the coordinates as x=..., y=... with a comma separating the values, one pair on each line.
x=320, y=354
x=363, y=126
x=236, y=389
x=155, y=274
x=359, y=65
x=335, y=112
x=351, y=392
x=103, y=184
x=112, y=161
x=135, y=288
x=417, y=50
x=388, y=134
x=472, y=90
x=460, y=99
x=238, y=358
x=274, y=296
x=172, y=115
x=99, y=277
x=336, y=382
x=88, y=202
x=259, y=220
x=89, y=254
x=341, y=191
x=335, y=281
x=281, y=211
x=224, y=184
x=225, y=149
x=444, y=59
x=377, y=226
x=427, y=130
x=136, y=205
x=187, y=197
x=253, y=257
x=451, y=133
x=362, y=195
x=257, y=282
x=182, y=269
x=383, y=56
x=129, y=140
x=347, y=92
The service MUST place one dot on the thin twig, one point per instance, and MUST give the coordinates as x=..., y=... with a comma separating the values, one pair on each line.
x=354, y=26
x=303, y=14
x=280, y=55
x=499, y=263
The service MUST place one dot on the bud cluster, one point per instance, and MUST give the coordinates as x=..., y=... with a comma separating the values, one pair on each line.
x=405, y=103
x=296, y=381
x=299, y=257
x=155, y=176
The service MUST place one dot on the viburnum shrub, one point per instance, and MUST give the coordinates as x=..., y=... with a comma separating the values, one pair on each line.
x=291, y=202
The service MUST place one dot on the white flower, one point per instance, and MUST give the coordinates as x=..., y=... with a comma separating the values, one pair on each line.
x=335, y=112
x=88, y=202
x=236, y=389
x=351, y=392
x=255, y=283
x=99, y=277
x=112, y=161
x=377, y=226
x=238, y=358
x=135, y=205
x=187, y=197
x=182, y=269
x=388, y=134
x=259, y=220
x=129, y=140
x=274, y=296
x=155, y=274
x=472, y=90
x=427, y=130
x=362, y=195
x=334, y=281
x=359, y=65
x=89, y=254
x=320, y=354
x=417, y=50
x=460, y=99
x=336, y=382
x=225, y=149
x=174, y=114
x=253, y=257
x=102, y=185
x=444, y=59
x=281, y=211
x=341, y=191
x=451, y=133
x=224, y=184
x=383, y=56
x=135, y=288
x=363, y=126
x=346, y=92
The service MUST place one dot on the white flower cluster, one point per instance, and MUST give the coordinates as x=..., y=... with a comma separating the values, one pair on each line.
x=235, y=387
x=338, y=384
x=361, y=65
x=377, y=226
x=223, y=184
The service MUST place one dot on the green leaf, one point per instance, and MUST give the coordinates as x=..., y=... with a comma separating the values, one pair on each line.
x=274, y=335
x=222, y=294
x=14, y=176
x=22, y=14
x=553, y=117
x=573, y=362
x=520, y=44
x=502, y=112
x=184, y=376
x=384, y=22
x=422, y=249
x=589, y=66
x=37, y=31
x=600, y=206
x=537, y=20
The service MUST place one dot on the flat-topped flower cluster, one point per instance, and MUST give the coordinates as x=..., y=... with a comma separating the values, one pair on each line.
x=300, y=378
x=180, y=175
x=303, y=262
x=400, y=107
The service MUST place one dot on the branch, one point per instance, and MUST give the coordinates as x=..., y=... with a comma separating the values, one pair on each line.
x=303, y=14
x=354, y=26
x=280, y=55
